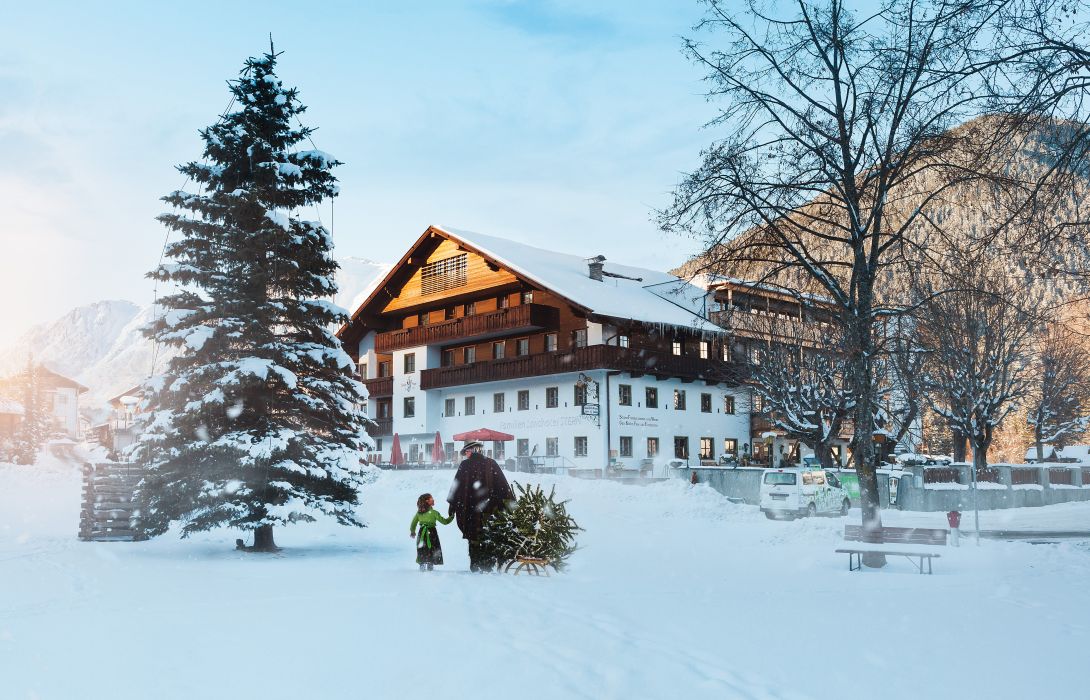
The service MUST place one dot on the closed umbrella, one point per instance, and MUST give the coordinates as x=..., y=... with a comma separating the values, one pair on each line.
x=437, y=451
x=396, y=457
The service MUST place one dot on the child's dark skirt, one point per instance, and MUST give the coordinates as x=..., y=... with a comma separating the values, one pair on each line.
x=428, y=548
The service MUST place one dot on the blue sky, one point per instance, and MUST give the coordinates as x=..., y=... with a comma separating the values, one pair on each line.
x=561, y=124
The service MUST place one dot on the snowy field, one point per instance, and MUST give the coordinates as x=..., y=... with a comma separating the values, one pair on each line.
x=676, y=593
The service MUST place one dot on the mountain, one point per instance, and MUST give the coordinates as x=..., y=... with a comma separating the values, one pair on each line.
x=101, y=345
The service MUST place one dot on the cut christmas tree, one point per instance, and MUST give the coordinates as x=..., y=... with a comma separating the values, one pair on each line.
x=534, y=526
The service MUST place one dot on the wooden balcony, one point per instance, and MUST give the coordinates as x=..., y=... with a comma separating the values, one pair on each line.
x=380, y=427
x=514, y=319
x=579, y=360
x=380, y=386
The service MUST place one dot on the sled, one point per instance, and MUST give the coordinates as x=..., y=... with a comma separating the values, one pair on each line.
x=531, y=565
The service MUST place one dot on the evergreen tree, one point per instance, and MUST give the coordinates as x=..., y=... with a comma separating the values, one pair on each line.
x=257, y=421
x=36, y=425
x=533, y=525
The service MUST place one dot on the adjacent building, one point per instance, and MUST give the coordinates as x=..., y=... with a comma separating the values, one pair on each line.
x=584, y=362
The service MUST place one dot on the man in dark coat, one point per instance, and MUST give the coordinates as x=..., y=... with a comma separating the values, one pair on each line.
x=478, y=491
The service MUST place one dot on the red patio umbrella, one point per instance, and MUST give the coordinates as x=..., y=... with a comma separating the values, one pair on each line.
x=437, y=452
x=484, y=435
x=396, y=457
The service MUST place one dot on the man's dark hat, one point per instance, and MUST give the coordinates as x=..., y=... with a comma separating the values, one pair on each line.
x=472, y=444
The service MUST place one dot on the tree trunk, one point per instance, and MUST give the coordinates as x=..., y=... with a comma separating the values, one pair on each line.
x=824, y=454
x=263, y=540
x=860, y=331
x=1037, y=441
x=958, y=450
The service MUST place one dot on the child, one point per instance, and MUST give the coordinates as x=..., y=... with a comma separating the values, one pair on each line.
x=429, y=552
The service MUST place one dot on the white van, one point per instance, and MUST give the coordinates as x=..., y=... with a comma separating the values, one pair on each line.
x=789, y=493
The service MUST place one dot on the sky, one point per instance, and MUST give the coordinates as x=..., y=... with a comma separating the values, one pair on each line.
x=558, y=123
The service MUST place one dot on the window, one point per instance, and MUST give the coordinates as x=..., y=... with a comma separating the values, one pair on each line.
x=497, y=403
x=728, y=404
x=440, y=275
x=498, y=350
x=423, y=318
x=758, y=403
x=622, y=341
x=780, y=478
x=755, y=355
x=550, y=342
x=579, y=338
x=522, y=347
x=624, y=394
x=705, y=403
x=524, y=400
x=626, y=446
x=362, y=369
x=552, y=397
x=448, y=313
x=522, y=447
x=469, y=309
x=703, y=349
x=384, y=369
x=651, y=400
x=580, y=394
x=410, y=363
x=410, y=406
x=726, y=352
x=707, y=448
x=676, y=347
x=730, y=447
x=384, y=409
x=527, y=297
x=679, y=399
x=503, y=301
x=469, y=355
x=681, y=447
x=580, y=447
x=448, y=407
x=470, y=406
x=552, y=447
x=378, y=444
x=653, y=447
x=447, y=359
x=498, y=450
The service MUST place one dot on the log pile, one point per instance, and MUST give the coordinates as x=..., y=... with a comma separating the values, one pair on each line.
x=108, y=502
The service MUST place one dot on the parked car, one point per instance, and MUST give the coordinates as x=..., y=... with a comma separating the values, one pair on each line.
x=795, y=492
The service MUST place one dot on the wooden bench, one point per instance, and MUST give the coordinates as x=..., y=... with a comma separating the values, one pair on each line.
x=893, y=535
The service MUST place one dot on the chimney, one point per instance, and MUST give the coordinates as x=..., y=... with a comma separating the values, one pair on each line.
x=595, y=266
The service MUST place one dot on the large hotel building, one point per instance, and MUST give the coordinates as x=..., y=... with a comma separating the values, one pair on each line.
x=584, y=363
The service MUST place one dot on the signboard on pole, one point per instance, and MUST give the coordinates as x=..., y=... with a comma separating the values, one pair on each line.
x=591, y=409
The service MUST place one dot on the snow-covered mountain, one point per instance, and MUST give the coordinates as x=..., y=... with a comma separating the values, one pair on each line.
x=100, y=344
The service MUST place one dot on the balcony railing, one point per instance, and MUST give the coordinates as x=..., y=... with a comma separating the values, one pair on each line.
x=380, y=427
x=581, y=359
x=514, y=319
x=379, y=386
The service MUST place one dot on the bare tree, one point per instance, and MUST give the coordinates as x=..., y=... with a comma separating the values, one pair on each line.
x=979, y=343
x=797, y=367
x=1057, y=403
x=843, y=133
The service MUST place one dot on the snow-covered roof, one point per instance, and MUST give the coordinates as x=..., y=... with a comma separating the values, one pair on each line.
x=11, y=408
x=1049, y=452
x=652, y=297
x=1080, y=453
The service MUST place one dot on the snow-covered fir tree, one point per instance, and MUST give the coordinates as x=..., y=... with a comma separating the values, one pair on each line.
x=37, y=424
x=258, y=421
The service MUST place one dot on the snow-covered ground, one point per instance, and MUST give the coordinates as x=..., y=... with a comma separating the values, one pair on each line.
x=676, y=593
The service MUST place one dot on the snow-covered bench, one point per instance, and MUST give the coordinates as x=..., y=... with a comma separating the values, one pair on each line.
x=893, y=535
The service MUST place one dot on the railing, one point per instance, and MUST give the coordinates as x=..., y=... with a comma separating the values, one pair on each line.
x=581, y=359
x=380, y=427
x=762, y=325
x=1060, y=475
x=1024, y=476
x=513, y=319
x=989, y=474
x=941, y=475
x=379, y=386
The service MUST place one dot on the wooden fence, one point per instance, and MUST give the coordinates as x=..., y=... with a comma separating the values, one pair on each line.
x=108, y=502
